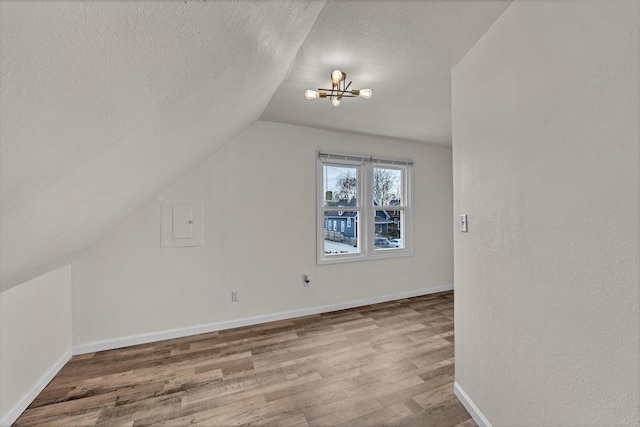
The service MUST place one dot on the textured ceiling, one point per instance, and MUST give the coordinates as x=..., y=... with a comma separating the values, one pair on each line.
x=104, y=104
x=402, y=50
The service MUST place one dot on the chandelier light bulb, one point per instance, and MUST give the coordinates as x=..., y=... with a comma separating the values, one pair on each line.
x=311, y=94
x=336, y=76
x=365, y=93
x=335, y=102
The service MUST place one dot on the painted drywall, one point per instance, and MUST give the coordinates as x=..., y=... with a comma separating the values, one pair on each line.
x=546, y=158
x=104, y=104
x=35, y=338
x=259, y=239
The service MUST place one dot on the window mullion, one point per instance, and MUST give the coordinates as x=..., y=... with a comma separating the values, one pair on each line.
x=368, y=211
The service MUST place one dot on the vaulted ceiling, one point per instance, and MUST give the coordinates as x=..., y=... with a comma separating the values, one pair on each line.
x=104, y=104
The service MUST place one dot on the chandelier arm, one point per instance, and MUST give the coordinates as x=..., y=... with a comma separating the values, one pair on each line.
x=339, y=89
x=331, y=93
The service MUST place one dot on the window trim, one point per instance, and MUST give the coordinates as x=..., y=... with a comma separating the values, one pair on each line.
x=366, y=224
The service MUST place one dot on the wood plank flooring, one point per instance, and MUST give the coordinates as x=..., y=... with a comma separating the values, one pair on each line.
x=388, y=364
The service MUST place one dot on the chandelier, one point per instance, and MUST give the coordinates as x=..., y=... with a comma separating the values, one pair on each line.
x=339, y=89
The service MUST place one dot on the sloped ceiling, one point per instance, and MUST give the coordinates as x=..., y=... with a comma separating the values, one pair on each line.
x=104, y=104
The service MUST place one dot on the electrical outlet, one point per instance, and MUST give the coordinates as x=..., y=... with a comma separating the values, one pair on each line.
x=234, y=296
x=306, y=280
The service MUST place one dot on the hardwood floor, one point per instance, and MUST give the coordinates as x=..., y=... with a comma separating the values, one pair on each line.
x=388, y=364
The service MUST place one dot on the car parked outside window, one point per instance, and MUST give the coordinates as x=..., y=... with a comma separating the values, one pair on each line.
x=382, y=242
x=395, y=243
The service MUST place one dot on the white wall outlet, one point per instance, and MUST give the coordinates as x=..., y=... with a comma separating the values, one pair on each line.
x=306, y=280
x=463, y=223
x=234, y=296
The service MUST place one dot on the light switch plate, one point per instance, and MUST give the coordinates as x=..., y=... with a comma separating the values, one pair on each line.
x=463, y=223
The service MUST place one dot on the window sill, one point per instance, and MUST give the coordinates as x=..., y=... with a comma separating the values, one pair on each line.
x=379, y=254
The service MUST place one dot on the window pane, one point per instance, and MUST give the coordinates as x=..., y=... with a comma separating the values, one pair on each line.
x=341, y=237
x=340, y=185
x=387, y=187
x=388, y=229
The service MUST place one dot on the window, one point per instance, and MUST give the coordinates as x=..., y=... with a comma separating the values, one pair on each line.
x=373, y=196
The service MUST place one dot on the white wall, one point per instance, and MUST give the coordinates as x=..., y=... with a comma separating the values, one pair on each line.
x=259, y=193
x=546, y=164
x=35, y=338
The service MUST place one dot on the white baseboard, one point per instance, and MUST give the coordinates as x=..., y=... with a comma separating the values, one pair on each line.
x=36, y=388
x=109, y=344
x=471, y=407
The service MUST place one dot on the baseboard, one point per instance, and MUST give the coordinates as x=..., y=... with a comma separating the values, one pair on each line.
x=247, y=321
x=471, y=407
x=36, y=388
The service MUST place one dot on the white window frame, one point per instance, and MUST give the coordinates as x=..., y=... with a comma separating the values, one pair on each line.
x=366, y=210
